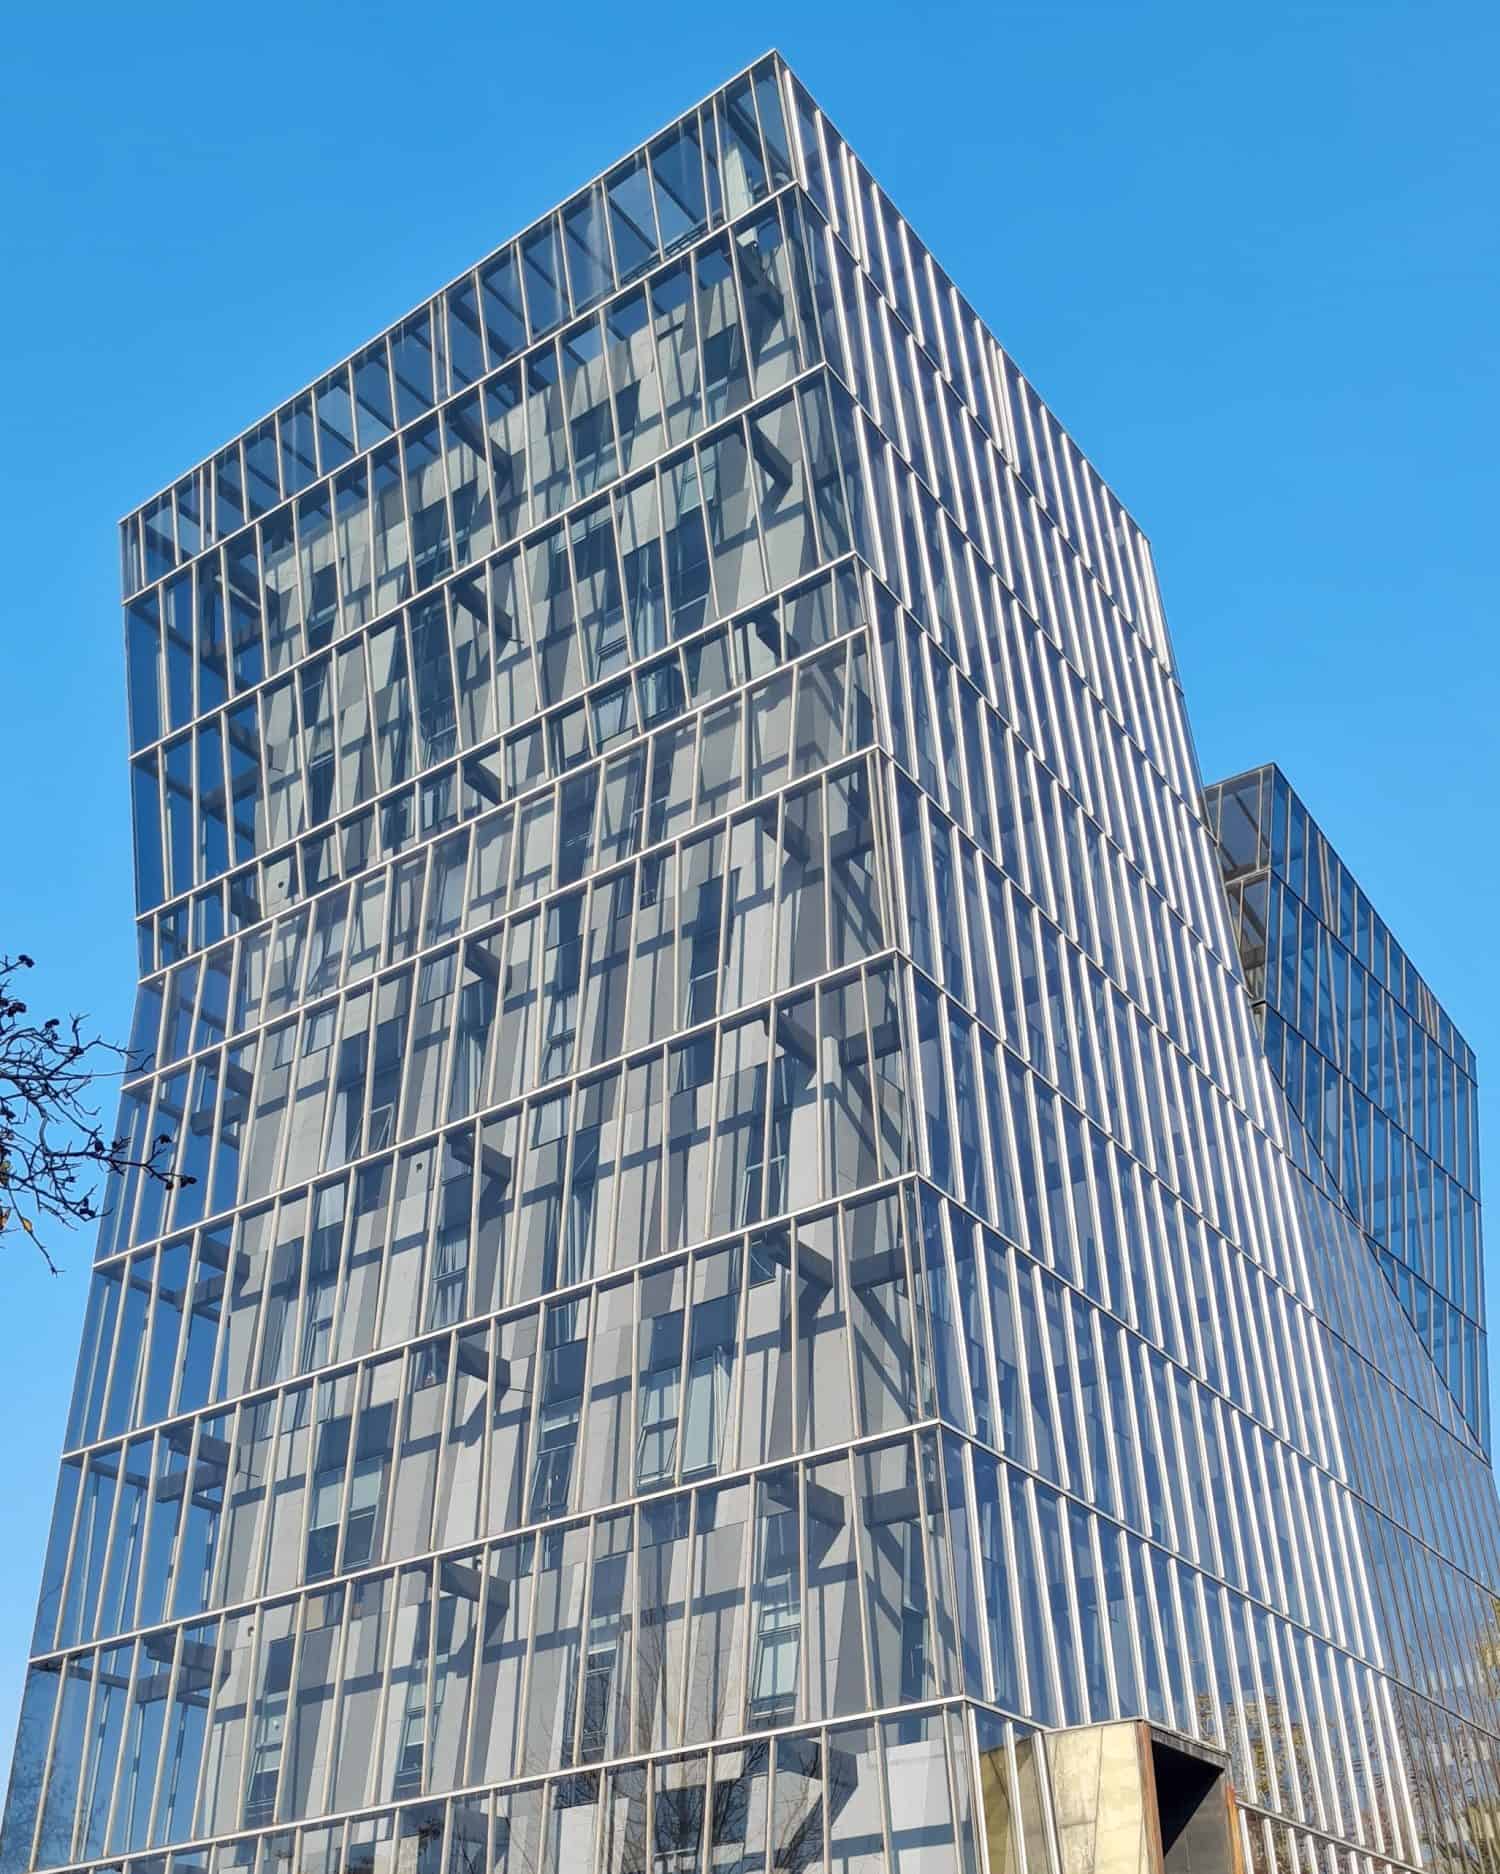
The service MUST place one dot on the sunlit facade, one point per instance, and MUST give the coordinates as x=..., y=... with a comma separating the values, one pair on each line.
x=746, y=1259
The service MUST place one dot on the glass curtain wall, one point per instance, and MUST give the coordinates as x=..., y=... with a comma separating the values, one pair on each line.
x=744, y=1252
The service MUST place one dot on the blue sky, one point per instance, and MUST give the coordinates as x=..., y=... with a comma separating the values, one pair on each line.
x=1248, y=255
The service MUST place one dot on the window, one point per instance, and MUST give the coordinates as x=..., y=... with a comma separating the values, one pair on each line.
x=327, y=1496
x=914, y=1673
x=707, y=1407
x=656, y=1448
x=450, y=1270
x=598, y=1683
x=364, y=1498
x=703, y=960
x=269, y=1732
x=410, y=1752
x=778, y=1644
x=557, y=1437
x=777, y=1610
x=678, y=1828
x=265, y=1763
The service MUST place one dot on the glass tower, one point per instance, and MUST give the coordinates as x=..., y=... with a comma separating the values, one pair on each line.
x=750, y=1268
x=1373, y=1067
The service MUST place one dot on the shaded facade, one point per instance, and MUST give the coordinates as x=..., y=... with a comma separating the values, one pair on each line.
x=745, y=1253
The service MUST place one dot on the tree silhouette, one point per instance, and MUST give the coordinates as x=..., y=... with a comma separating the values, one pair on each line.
x=53, y=1153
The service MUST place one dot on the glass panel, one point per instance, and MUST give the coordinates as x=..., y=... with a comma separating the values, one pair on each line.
x=587, y=248
x=500, y=300
x=632, y=219
x=677, y=173
x=465, y=342
x=542, y=271
x=411, y=362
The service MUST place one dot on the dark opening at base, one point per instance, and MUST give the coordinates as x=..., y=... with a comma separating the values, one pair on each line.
x=1194, y=1816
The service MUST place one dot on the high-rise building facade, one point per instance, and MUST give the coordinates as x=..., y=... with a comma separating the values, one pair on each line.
x=1376, y=1071
x=750, y=1290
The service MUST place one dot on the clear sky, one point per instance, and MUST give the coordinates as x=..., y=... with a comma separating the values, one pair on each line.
x=1247, y=254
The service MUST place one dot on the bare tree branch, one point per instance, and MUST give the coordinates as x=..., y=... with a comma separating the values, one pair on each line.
x=54, y=1156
